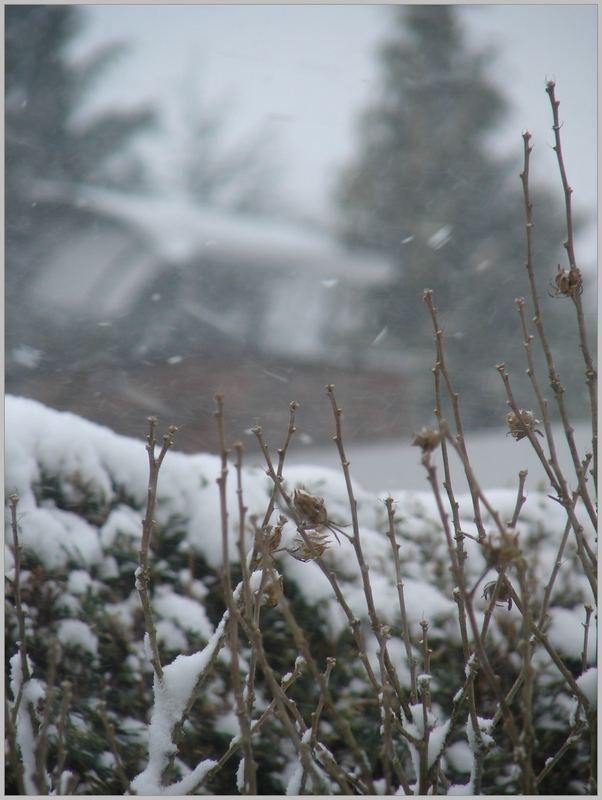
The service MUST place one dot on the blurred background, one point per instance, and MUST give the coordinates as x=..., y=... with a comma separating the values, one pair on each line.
x=251, y=199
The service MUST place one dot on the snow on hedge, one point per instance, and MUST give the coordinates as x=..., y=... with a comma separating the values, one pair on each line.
x=82, y=493
x=86, y=459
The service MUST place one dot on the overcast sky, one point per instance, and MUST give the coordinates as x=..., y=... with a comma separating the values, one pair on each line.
x=303, y=72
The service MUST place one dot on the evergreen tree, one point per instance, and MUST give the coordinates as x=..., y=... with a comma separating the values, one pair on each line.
x=46, y=140
x=428, y=191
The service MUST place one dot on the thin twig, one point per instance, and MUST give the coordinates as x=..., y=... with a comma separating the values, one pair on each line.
x=468, y=693
x=520, y=498
x=405, y=628
x=284, y=706
x=341, y=724
x=41, y=748
x=13, y=749
x=590, y=372
x=558, y=561
x=558, y=482
x=553, y=460
x=236, y=742
x=250, y=766
x=148, y=525
x=528, y=734
x=376, y=624
x=354, y=623
x=62, y=737
x=20, y=613
x=553, y=376
x=110, y=734
x=459, y=439
x=588, y=615
x=492, y=679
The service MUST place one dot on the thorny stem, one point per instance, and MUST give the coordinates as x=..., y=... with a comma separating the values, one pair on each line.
x=148, y=525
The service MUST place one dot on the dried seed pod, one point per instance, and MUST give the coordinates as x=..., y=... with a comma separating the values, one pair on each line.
x=315, y=544
x=310, y=508
x=522, y=424
x=504, y=596
x=427, y=439
x=271, y=592
x=567, y=283
x=275, y=534
x=501, y=549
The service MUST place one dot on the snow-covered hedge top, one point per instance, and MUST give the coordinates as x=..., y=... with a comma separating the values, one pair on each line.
x=91, y=461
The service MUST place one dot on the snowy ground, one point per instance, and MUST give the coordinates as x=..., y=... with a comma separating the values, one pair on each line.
x=496, y=460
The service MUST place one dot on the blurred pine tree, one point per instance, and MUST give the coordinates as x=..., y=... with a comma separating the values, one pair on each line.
x=48, y=140
x=427, y=188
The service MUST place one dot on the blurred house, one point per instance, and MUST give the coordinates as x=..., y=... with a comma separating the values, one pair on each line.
x=149, y=306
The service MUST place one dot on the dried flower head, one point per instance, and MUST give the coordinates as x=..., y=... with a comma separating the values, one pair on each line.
x=271, y=592
x=310, y=508
x=522, y=424
x=501, y=549
x=274, y=534
x=504, y=596
x=427, y=439
x=567, y=283
x=311, y=547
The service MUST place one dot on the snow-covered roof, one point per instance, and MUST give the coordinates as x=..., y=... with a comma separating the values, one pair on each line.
x=181, y=231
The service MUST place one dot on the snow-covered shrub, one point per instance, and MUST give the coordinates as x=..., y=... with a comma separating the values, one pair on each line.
x=80, y=553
